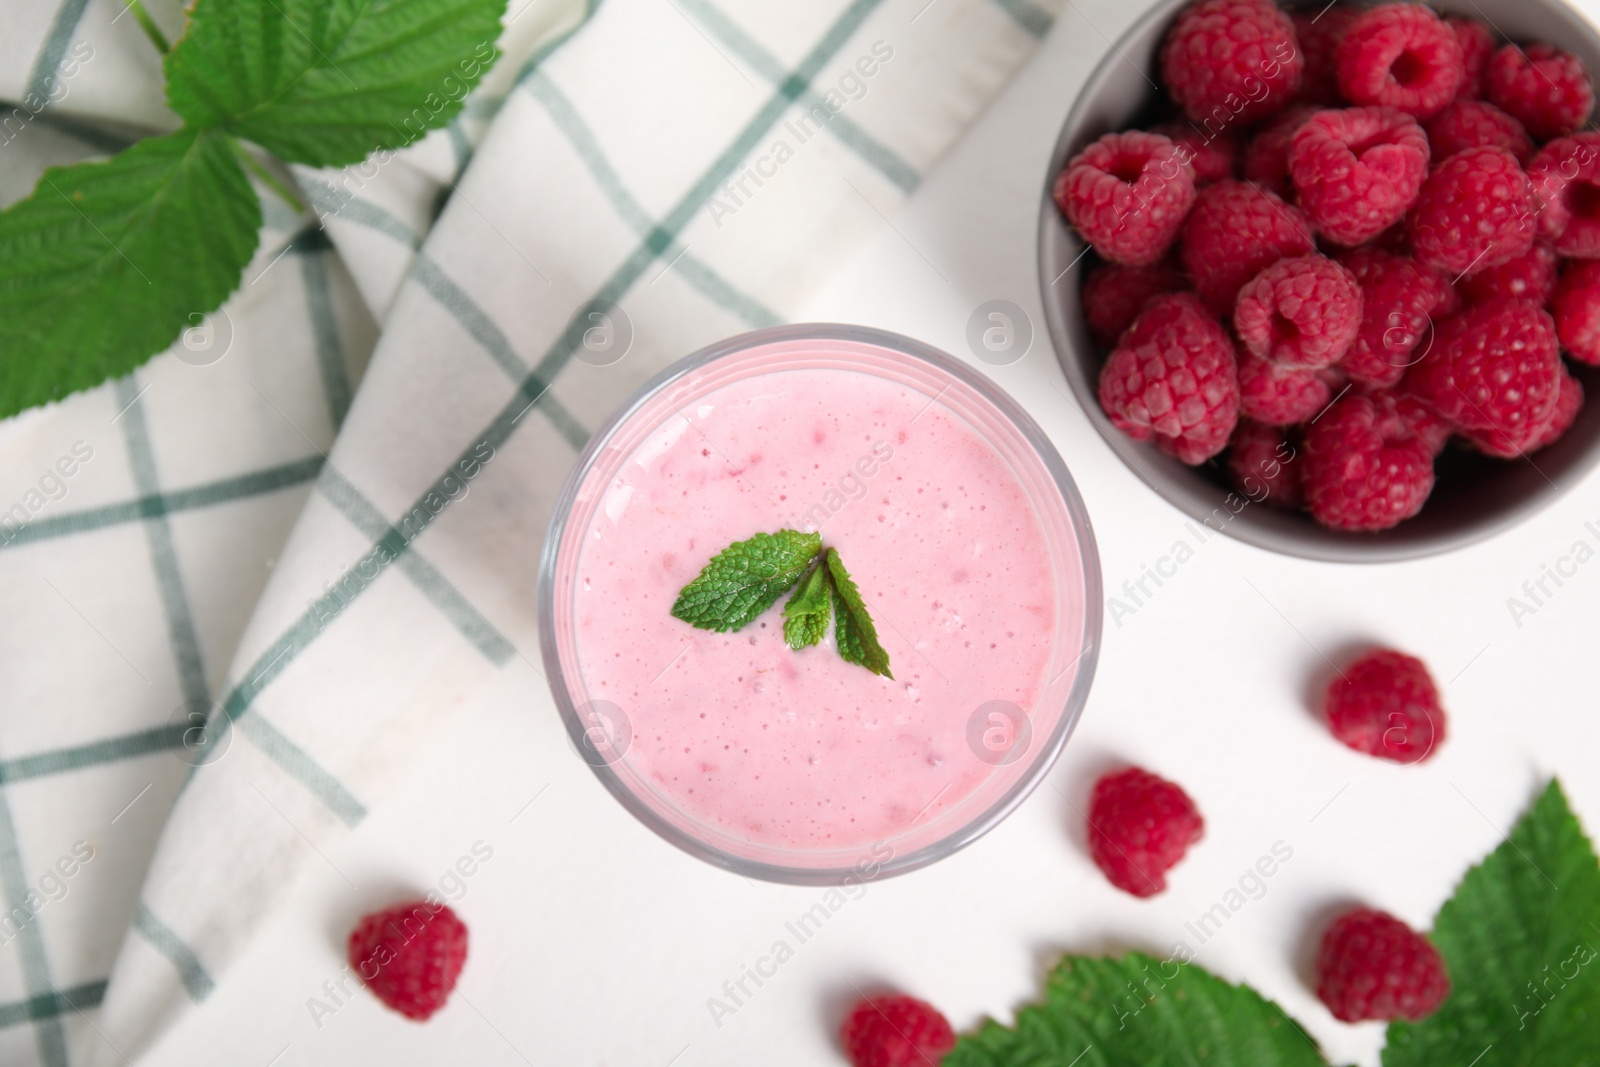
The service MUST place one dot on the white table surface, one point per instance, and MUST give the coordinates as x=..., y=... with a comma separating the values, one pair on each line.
x=593, y=942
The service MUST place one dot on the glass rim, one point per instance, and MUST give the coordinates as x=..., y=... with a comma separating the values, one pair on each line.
x=1088, y=653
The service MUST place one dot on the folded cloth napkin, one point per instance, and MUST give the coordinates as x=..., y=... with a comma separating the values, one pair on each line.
x=245, y=592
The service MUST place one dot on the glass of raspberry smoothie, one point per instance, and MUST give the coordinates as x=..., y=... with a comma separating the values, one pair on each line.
x=972, y=553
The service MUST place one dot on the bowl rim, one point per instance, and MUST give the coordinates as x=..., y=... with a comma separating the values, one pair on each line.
x=1316, y=543
x=1045, y=756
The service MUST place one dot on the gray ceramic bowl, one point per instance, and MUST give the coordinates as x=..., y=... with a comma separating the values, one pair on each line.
x=1475, y=496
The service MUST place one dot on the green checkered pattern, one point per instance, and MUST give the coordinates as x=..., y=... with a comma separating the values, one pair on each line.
x=518, y=391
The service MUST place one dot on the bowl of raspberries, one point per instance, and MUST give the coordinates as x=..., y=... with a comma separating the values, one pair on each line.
x=1328, y=279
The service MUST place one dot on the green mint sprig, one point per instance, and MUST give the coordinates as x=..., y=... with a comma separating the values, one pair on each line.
x=748, y=577
x=106, y=263
x=1520, y=938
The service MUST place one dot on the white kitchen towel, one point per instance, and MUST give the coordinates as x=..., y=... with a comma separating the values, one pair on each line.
x=140, y=521
x=678, y=171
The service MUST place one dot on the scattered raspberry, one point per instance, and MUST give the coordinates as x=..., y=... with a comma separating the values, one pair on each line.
x=1477, y=45
x=1575, y=306
x=1319, y=34
x=1531, y=277
x=1266, y=157
x=1476, y=210
x=1302, y=312
x=1357, y=477
x=1545, y=89
x=1213, y=156
x=1476, y=124
x=1232, y=232
x=1400, y=415
x=1568, y=404
x=895, y=1030
x=1401, y=56
x=1172, y=378
x=1127, y=194
x=1373, y=966
x=1357, y=170
x=1565, y=176
x=1494, y=371
x=1261, y=463
x=1114, y=294
x=1386, y=705
x=1231, y=62
x=1139, y=828
x=409, y=956
x=1281, y=396
x=1400, y=299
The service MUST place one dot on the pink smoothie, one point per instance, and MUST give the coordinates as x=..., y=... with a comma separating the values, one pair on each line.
x=803, y=750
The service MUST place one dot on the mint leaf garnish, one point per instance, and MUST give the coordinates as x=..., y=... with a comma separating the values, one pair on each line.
x=325, y=83
x=1521, y=939
x=748, y=577
x=1134, y=1011
x=805, y=616
x=853, y=631
x=107, y=262
x=745, y=579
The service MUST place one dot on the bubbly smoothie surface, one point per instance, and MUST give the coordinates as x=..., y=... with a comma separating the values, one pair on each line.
x=802, y=749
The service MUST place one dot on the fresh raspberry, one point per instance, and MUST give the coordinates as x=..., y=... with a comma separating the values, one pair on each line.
x=1565, y=175
x=1400, y=298
x=1357, y=476
x=1531, y=277
x=1319, y=34
x=1545, y=89
x=1357, y=170
x=1114, y=294
x=1173, y=378
x=1281, y=396
x=409, y=956
x=1400, y=415
x=1476, y=124
x=1261, y=464
x=1373, y=966
x=894, y=1030
x=1127, y=194
x=1232, y=232
x=1230, y=62
x=1477, y=43
x=1266, y=157
x=1386, y=705
x=1140, y=826
x=1476, y=210
x=1213, y=157
x=1402, y=56
x=1494, y=371
x=1575, y=306
x=1568, y=404
x=1302, y=312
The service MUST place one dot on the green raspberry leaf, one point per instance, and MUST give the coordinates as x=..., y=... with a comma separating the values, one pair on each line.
x=327, y=82
x=745, y=579
x=1521, y=939
x=105, y=263
x=805, y=616
x=854, y=633
x=1136, y=1011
